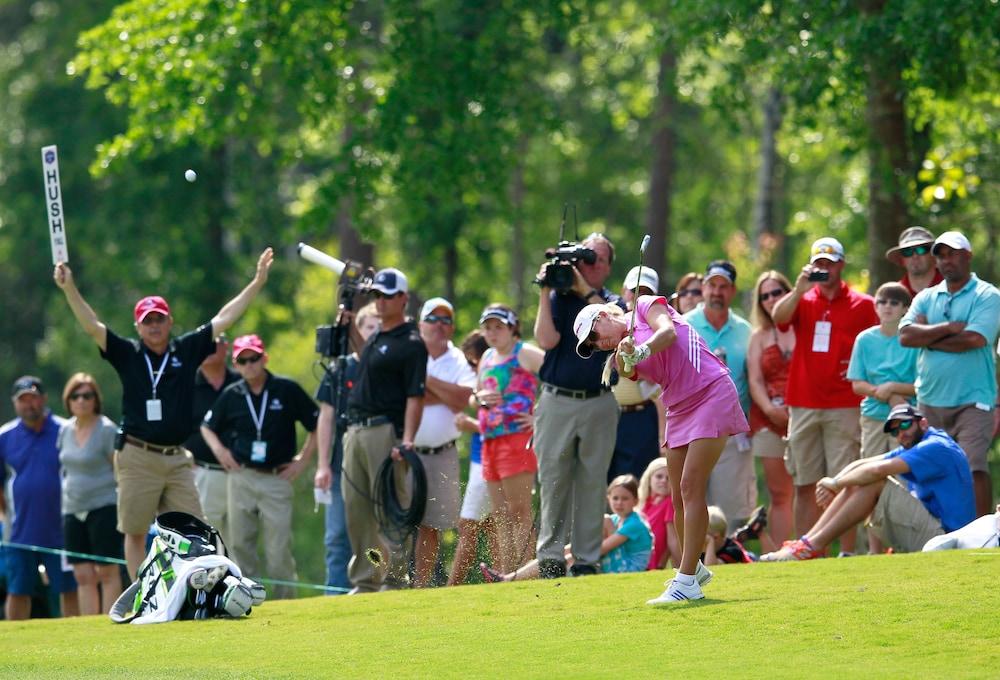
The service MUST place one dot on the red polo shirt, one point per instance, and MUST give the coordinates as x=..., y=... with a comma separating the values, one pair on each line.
x=905, y=281
x=818, y=379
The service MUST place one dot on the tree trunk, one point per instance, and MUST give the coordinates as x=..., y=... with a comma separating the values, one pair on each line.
x=888, y=156
x=662, y=171
x=517, y=256
x=768, y=242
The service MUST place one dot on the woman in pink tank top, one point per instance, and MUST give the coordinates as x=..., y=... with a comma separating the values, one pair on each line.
x=703, y=410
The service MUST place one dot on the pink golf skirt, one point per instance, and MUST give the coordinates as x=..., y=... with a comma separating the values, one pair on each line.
x=713, y=412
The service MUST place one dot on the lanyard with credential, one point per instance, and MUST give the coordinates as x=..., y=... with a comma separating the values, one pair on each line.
x=258, y=421
x=155, y=378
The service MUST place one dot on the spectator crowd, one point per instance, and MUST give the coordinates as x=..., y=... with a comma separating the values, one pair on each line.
x=632, y=422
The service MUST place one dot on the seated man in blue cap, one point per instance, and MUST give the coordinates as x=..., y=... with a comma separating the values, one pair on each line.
x=917, y=491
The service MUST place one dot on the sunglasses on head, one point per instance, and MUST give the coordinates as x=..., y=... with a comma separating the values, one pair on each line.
x=86, y=396
x=438, y=318
x=903, y=425
x=887, y=301
x=776, y=293
x=690, y=291
x=377, y=294
x=914, y=250
x=243, y=361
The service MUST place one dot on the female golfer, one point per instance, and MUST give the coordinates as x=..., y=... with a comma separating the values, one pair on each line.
x=703, y=410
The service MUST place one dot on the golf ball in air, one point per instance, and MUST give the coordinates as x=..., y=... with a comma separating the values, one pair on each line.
x=190, y=175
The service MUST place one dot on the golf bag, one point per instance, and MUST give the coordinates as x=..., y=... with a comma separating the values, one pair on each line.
x=186, y=575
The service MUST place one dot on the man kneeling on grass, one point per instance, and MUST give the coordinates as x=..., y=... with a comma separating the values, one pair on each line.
x=911, y=494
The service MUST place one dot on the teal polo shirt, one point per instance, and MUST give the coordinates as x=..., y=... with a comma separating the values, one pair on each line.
x=950, y=379
x=877, y=359
x=729, y=343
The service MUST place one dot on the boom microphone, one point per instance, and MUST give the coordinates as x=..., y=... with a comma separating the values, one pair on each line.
x=315, y=256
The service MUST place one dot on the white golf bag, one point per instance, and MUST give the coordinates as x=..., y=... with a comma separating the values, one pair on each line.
x=186, y=575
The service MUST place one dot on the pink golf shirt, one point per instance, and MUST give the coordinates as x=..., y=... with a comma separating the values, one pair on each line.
x=686, y=367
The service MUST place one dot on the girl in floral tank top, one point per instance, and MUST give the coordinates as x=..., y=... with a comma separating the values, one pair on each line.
x=517, y=387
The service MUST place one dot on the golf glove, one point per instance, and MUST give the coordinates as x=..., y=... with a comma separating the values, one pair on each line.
x=635, y=357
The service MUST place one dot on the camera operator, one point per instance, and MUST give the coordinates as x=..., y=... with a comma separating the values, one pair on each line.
x=575, y=419
x=384, y=410
x=824, y=431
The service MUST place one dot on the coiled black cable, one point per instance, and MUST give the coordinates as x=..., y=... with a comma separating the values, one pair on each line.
x=398, y=523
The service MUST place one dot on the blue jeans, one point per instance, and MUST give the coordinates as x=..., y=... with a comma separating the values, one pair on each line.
x=338, y=545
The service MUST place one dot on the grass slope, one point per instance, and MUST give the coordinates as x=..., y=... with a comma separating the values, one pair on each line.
x=922, y=615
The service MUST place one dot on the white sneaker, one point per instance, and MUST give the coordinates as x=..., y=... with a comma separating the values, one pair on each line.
x=702, y=574
x=677, y=592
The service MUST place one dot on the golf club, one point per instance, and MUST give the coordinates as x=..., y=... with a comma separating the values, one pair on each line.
x=635, y=291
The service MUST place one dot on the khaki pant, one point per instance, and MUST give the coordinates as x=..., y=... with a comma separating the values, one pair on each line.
x=375, y=557
x=151, y=483
x=902, y=521
x=732, y=486
x=214, y=497
x=574, y=442
x=971, y=427
x=261, y=502
x=873, y=440
x=821, y=442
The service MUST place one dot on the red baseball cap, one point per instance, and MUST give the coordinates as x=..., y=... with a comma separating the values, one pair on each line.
x=150, y=304
x=247, y=342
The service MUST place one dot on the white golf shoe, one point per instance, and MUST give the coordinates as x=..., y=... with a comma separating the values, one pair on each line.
x=677, y=592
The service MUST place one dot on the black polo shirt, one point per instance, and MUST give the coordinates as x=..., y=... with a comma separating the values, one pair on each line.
x=202, y=399
x=393, y=367
x=230, y=419
x=174, y=389
x=326, y=394
x=563, y=367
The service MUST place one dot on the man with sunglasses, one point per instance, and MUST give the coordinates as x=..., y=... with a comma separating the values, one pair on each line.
x=251, y=431
x=914, y=255
x=450, y=382
x=913, y=493
x=576, y=419
x=955, y=324
x=157, y=376
x=384, y=410
x=824, y=431
x=732, y=485
x=29, y=472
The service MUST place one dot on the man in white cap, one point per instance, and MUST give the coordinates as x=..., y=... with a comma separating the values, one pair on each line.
x=913, y=253
x=955, y=324
x=384, y=410
x=824, y=431
x=733, y=483
x=450, y=381
x=642, y=421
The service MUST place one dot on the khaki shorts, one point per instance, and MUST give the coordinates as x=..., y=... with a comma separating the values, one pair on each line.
x=821, y=442
x=874, y=441
x=768, y=444
x=443, y=493
x=902, y=521
x=150, y=483
x=971, y=427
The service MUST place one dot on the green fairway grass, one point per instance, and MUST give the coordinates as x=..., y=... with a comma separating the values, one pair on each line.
x=906, y=616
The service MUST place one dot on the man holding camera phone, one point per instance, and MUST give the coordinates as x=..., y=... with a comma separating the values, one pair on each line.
x=824, y=432
x=576, y=417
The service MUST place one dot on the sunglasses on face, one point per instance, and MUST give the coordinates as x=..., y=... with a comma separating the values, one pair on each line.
x=886, y=301
x=437, y=318
x=903, y=425
x=690, y=291
x=914, y=250
x=86, y=396
x=776, y=293
x=243, y=361
x=153, y=320
x=378, y=295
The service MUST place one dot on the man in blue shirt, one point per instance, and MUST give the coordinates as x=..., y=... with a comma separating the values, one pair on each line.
x=913, y=493
x=732, y=485
x=30, y=496
x=955, y=324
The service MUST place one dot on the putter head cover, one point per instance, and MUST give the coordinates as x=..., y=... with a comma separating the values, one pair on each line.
x=240, y=596
x=188, y=536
